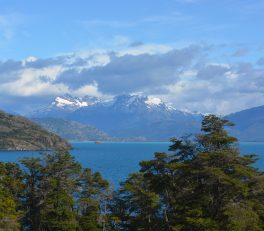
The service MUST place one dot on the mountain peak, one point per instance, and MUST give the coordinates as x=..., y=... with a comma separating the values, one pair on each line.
x=63, y=102
x=74, y=103
x=141, y=101
x=130, y=115
x=151, y=101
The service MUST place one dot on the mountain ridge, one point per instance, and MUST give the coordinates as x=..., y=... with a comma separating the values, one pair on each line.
x=75, y=131
x=129, y=116
x=249, y=124
x=149, y=117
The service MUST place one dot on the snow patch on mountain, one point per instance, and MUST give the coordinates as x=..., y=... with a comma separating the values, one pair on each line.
x=129, y=104
x=153, y=101
x=72, y=103
x=131, y=101
x=61, y=102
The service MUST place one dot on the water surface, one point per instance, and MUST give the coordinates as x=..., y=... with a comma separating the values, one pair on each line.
x=116, y=160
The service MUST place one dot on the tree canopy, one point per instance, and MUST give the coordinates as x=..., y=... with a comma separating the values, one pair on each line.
x=204, y=183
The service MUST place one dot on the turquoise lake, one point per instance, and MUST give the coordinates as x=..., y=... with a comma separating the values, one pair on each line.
x=116, y=160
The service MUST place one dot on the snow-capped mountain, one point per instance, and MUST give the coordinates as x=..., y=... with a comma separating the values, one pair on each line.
x=63, y=105
x=69, y=102
x=126, y=102
x=145, y=117
x=136, y=103
x=63, y=102
x=126, y=116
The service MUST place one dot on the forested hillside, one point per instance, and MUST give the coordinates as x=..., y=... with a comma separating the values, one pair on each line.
x=18, y=133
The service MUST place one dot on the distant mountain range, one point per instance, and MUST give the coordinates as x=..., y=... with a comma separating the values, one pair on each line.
x=249, y=124
x=18, y=133
x=142, y=117
x=138, y=116
x=72, y=130
x=75, y=131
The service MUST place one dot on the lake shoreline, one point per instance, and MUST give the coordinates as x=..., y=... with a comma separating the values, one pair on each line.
x=110, y=142
x=115, y=160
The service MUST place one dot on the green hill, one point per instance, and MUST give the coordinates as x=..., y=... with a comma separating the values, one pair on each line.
x=18, y=133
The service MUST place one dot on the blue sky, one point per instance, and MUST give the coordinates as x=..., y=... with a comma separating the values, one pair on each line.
x=46, y=28
x=221, y=38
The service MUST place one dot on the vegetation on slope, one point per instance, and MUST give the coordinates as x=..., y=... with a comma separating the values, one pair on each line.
x=18, y=133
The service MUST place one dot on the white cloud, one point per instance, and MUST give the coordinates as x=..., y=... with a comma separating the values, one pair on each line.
x=32, y=82
x=186, y=77
x=30, y=59
x=89, y=89
x=219, y=91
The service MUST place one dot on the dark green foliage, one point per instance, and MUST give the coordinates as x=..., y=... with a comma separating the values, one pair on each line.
x=93, y=201
x=135, y=206
x=203, y=184
x=11, y=187
x=49, y=196
x=59, y=195
x=215, y=137
x=35, y=192
x=61, y=173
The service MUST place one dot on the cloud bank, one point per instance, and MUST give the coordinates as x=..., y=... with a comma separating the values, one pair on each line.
x=186, y=77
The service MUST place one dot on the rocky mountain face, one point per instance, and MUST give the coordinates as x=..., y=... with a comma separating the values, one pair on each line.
x=18, y=133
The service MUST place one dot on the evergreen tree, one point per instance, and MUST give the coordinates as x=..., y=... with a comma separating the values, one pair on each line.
x=35, y=193
x=135, y=206
x=93, y=201
x=51, y=183
x=62, y=173
x=204, y=184
x=10, y=191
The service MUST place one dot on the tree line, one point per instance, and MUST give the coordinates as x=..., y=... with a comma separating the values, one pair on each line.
x=203, y=183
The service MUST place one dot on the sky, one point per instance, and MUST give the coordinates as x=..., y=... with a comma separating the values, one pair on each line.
x=199, y=55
